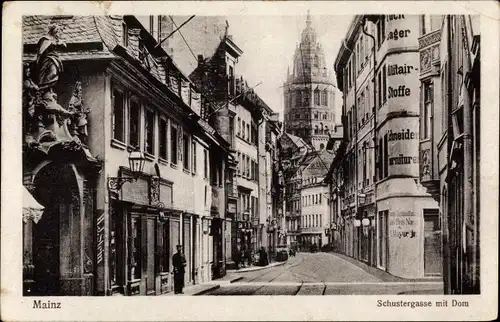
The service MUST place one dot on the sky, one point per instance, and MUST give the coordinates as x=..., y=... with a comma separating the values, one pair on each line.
x=268, y=44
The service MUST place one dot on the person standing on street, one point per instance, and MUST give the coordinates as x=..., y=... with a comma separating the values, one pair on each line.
x=179, y=263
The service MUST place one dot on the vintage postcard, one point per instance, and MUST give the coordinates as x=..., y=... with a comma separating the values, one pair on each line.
x=323, y=160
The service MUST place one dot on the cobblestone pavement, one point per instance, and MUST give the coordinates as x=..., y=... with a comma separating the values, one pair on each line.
x=321, y=274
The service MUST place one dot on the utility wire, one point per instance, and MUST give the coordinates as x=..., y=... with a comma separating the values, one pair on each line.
x=177, y=28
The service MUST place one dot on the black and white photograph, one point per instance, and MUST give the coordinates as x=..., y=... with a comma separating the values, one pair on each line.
x=166, y=154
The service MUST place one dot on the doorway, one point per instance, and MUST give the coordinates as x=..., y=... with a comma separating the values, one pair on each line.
x=56, y=238
x=432, y=243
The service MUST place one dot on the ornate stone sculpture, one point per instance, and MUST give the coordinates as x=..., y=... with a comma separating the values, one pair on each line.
x=45, y=121
x=79, y=119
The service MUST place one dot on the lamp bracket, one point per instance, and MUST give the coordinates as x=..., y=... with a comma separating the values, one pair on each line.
x=115, y=183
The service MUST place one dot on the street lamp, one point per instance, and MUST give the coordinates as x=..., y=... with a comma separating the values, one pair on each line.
x=136, y=162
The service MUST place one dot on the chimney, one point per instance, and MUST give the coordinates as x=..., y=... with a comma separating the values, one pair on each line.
x=200, y=60
x=166, y=27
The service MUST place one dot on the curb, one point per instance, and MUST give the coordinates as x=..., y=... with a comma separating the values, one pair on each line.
x=239, y=278
x=209, y=289
x=258, y=269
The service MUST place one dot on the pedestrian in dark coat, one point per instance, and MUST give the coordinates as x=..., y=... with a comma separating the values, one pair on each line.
x=263, y=260
x=179, y=264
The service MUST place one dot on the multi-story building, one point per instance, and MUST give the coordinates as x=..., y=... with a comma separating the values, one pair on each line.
x=112, y=218
x=386, y=211
x=315, y=201
x=293, y=156
x=309, y=92
x=449, y=143
x=242, y=118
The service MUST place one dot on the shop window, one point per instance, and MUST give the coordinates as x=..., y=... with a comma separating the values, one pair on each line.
x=186, y=158
x=135, y=259
x=134, y=122
x=174, y=141
x=118, y=115
x=163, y=138
x=149, y=139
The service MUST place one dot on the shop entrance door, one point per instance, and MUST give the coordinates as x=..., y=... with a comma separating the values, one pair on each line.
x=432, y=243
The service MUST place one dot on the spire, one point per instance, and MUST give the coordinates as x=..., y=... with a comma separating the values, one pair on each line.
x=308, y=19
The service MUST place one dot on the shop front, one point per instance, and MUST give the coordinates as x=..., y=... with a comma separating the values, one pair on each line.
x=144, y=230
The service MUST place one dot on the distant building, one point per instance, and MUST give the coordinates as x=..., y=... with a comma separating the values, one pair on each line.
x=309, y=92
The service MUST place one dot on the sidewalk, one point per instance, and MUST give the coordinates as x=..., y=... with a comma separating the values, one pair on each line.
x=200, y=289
x=382, y=275
x=255, y=268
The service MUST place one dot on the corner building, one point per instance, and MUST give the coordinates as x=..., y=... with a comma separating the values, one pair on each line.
x=388, y=214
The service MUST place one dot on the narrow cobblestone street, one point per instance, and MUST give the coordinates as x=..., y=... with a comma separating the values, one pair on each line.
x=321, y=274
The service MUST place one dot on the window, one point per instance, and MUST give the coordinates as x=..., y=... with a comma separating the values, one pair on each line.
x=298, y=100
x=135, y=251
x=118, y=101
x=428, y=98
x=379, y=161
x=362, y=51
x=149, y=124
x=379, y=93
x=316, y=61
x=324, y=97
x=163, y=138
x=134, y=117
x=386, y=157
x=381, y=30
x=186, y=159
x=231, y=83
x=193, y=149
x=243, y=128
x=316, y=97
x=174, y=141
x=247, y=137
x=384, y=84
x=205, y=164
x=239, y=126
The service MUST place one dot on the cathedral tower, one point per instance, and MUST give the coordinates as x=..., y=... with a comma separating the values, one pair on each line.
x=309, y=92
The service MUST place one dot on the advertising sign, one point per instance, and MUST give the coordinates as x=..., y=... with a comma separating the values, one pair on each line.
x=403, y=82
x=403, y=144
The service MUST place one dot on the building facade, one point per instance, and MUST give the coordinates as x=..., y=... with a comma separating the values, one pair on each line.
x=386, y=211
x=249, y=125
x=309, y=92
x=449, y=140
x=114, y=231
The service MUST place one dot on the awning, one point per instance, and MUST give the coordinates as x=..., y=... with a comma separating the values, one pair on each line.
x=31, y=208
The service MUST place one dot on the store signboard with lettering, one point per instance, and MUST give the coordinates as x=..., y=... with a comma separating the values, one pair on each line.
x=403, y=82
x=403, y=144
x=402, y=30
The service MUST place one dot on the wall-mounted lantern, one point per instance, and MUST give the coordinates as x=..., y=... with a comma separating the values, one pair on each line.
x=206, y=226
x=357, y=223
x=136, y=163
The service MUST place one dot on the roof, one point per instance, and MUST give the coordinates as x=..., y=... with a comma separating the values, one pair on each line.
x=297, y=140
